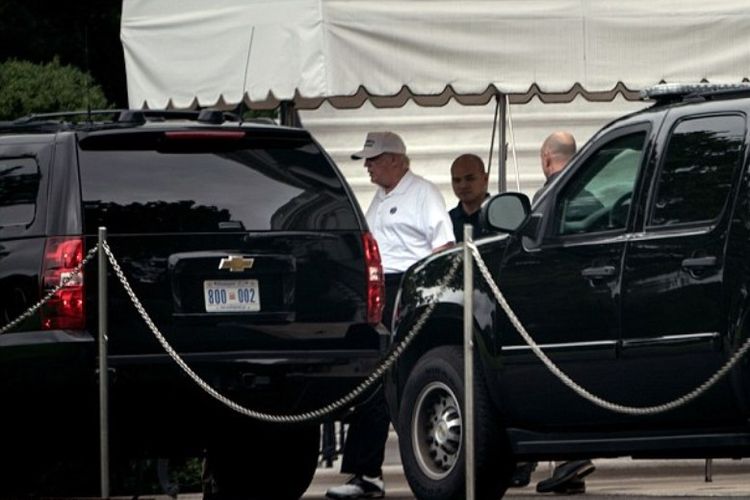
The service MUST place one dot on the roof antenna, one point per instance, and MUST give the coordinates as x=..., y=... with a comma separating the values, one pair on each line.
x=247, y=65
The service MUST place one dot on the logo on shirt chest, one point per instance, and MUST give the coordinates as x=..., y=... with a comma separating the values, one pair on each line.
x=393, y=210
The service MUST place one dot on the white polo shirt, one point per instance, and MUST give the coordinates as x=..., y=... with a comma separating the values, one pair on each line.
x=409, y=222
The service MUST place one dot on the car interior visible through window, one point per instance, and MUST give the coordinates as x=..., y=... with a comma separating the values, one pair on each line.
x=598, y=199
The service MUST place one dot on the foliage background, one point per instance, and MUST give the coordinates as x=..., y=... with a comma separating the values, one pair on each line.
x=51, y=51
x=27, y=88
x=83, y=34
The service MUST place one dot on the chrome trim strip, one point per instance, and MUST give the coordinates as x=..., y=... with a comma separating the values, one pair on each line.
x=670, y=339
x=663, y=339
x=598, y=343
x=660, y=235
x=600, y=240
x=641, y=236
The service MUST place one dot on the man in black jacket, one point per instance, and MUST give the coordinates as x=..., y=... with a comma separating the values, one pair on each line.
x=568, y=477
x=469, y=181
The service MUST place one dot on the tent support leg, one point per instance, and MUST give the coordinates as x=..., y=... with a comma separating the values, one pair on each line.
x=502, y=147
x=288, y=114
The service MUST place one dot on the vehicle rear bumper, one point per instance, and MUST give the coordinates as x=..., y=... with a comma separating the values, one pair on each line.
x=155, y=404
x=44, y=338
x=50, y=388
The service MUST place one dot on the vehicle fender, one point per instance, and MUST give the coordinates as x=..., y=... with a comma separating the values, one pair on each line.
x=738, y=332
x=421, y=287
x=443, y=327
x=737, y=297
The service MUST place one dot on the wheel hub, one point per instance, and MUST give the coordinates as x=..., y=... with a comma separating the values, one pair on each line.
x=441, y=432
x=437, y=430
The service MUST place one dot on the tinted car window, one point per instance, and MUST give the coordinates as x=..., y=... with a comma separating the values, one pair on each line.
x=598, y=199
x=19, y=186
x=696, y=177
x=244, y=187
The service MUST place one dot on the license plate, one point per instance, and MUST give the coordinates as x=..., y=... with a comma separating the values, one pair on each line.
x=231, y=295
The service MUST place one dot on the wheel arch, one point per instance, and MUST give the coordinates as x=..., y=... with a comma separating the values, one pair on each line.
x=444, y=327
x=433, y=395
x=738, y=332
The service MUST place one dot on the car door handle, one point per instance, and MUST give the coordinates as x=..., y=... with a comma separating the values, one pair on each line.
x=598, y=272
x=699, y=262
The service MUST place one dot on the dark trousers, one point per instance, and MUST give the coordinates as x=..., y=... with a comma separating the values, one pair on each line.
x=364, y=449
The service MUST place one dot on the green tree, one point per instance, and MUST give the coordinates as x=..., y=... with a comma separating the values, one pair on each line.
x=27, y=88
x=84, y=33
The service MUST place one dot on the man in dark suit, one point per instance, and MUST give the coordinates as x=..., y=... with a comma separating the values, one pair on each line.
x=469, y=181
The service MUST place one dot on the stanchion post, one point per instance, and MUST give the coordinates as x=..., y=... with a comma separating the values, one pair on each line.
x=103, y=370
x=468, y=363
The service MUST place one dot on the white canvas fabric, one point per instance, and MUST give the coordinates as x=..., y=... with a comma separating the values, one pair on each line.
x=188, y=52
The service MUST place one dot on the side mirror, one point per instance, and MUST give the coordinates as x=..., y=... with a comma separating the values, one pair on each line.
x=505, y=212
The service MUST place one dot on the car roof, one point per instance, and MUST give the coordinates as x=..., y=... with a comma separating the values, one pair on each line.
x=126, y=119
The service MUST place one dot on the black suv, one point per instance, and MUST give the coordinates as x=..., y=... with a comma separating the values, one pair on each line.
x=630, y=272
x=248, y=250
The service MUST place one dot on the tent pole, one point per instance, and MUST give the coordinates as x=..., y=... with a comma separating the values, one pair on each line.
x=502, y=149
x=288, y=114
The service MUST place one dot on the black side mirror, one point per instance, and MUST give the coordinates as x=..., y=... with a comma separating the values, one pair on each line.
x=505, y=212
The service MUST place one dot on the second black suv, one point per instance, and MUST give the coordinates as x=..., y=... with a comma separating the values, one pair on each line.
x=248, y=250
x=630, y=272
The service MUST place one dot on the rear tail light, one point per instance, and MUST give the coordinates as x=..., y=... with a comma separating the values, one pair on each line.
x=65, y=308
x=375, y=281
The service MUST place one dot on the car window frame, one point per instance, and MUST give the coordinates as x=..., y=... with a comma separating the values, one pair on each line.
x=40, y=152
x=148, y=142
x=705, y=225
x=550, y=237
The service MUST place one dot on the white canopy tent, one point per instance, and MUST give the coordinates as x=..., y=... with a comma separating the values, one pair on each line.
x=263, y=53
x=187, y=53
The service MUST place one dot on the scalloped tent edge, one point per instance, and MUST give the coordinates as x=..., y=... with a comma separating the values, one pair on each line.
x=405, y=95
x=185, y=53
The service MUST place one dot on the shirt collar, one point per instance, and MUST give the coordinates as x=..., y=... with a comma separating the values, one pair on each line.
x=403, y=184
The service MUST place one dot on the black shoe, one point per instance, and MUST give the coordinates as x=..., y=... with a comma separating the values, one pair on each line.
x=522, y=475
x=573, y=487
x=359, y=487
x=564, y=473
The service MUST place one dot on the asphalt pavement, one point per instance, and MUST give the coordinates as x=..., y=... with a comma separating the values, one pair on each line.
x=620, y=478
x=613, y=478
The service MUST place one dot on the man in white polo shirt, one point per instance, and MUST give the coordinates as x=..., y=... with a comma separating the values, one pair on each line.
x=409, y=221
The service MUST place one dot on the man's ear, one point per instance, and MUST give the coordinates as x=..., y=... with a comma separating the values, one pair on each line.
x=545, y=161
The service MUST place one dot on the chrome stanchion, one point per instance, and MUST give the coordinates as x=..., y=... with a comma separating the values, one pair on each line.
x=468, y=363
x=103, y=369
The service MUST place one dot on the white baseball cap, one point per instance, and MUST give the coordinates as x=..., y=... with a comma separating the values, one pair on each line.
x=378, y=143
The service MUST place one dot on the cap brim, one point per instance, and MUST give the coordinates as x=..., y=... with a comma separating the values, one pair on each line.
x=365, y=154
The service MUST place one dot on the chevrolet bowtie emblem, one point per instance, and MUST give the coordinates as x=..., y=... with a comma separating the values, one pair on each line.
x=236, y=263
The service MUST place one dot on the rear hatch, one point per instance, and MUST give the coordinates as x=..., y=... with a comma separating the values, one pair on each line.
x=234, y=239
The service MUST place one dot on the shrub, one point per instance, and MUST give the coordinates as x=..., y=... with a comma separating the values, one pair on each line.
x=27, y=88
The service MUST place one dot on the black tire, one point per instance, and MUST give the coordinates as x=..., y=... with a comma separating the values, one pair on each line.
x=430, y=432
x=275, y=462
